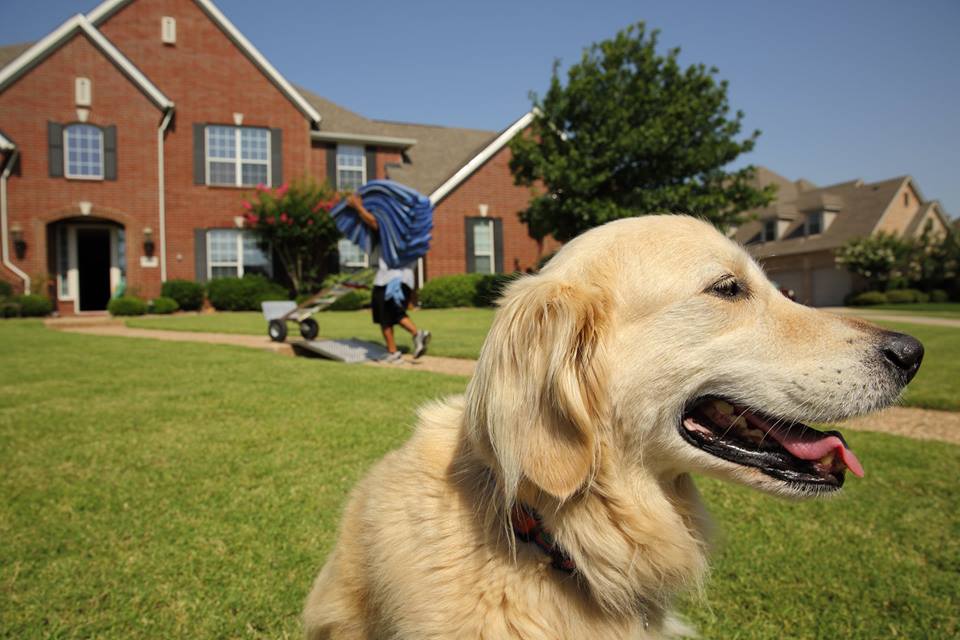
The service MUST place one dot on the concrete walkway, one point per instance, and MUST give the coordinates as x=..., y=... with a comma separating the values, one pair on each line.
x=867, y=314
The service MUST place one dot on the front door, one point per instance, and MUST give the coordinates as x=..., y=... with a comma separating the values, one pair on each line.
x=93, y=265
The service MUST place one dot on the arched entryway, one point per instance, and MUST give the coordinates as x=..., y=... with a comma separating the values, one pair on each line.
x=88, y=259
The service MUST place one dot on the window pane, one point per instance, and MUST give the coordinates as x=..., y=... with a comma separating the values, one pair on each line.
x=483, y=264
x=482, y=237
x=815, y=223
x=255, y=259
x=254, y=174
x=83, y=152
x=223, y=245
x=349, y=155
x=349, y=179
x=223, y=173
x=253, y=144
x=221, y=142
x=351, y=254
x=223, y=272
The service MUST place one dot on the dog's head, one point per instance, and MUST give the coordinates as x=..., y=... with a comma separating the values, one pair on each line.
x=659, y=339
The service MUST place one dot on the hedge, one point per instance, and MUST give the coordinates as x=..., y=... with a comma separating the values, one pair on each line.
x=127, y=306
x=6, y=289
x=465, y=290
x=243, y=294
x=9, y=309
x=939, y=295
x=187, y=293
x=163, y=305
x=352, y=300
x=867, y=298
x=33, y=306
x=903, y=296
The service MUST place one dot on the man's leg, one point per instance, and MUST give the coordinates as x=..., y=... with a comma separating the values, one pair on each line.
x=388, y=338
x=407, y=324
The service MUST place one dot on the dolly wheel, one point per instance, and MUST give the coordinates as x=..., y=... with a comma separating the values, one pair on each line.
x=277, y=330
x=309, y=329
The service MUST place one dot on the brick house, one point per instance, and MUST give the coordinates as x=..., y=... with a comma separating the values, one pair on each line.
x=129, y=134
x=796, y=237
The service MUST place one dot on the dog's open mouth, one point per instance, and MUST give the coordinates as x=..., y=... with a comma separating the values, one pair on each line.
x=789, y=451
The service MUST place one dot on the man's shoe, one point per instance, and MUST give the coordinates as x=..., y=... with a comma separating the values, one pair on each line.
x=391, y=358
x=420, y=342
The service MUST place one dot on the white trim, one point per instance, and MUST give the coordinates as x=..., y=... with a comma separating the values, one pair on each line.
x=363, y=138
x=161, y=197
x=5, y=144
x=60, y=36
x=74, y=266
x=107, y=8
x=363, y=164
x=238, y=158
x=66, y=155
x=4, y=235
x=238, y=265
x=478, y=160
x=492, y=254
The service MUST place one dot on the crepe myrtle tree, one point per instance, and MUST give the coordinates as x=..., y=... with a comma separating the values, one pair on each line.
x=632, y=132
x=294, y=221
x=879, y=259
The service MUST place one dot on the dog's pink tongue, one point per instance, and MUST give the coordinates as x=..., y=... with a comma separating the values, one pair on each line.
x=809, y=445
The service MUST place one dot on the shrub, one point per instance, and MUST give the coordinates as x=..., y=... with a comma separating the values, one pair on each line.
x=32, y=305
x=867, y=298
x=939, y=295
x=243, y=294
x=6, y=289
x=363, y=277
x=490, y=288
x=922, y=296
x=355, y=299
x=163, y=305
x=901, y=296
x=450, y=291
x=187, y=293
x=127, y=306
x=9, y=309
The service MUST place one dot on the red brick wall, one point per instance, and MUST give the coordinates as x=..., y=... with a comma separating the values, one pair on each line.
x=209, y=80
x=492, y=184
x=46, y=93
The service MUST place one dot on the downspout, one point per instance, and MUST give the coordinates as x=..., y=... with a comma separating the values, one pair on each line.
x=4, y=236
x=164, y=123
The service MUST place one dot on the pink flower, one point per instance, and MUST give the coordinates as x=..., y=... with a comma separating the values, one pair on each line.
x=252, y=219
x=317, y=206
x=282, y=189
x=247, y=205
x=309, y=221
x=261, y=187
x=283, y=217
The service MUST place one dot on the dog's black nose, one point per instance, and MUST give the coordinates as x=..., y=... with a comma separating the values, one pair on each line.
x=903, y=351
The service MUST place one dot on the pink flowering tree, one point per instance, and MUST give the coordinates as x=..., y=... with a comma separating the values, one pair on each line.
x=294, y=221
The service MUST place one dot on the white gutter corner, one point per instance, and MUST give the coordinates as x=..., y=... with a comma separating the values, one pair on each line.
x=4, y=235
x=161, y=188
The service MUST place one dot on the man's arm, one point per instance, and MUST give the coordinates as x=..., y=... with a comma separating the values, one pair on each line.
x=368, y=218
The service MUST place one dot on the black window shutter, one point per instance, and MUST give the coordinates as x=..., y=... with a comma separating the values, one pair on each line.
x=200, y=253
x=332, y=165
x=199, y=154
x=110, y=152
x=498, y=244
x=371, y=153
x=276, y=156
x=468, y=224
x=55, y=148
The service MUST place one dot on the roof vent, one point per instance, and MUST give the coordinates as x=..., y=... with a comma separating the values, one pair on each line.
x=83, y=92
x=168, y=30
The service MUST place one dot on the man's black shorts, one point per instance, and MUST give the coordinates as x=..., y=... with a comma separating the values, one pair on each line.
x=387, y=313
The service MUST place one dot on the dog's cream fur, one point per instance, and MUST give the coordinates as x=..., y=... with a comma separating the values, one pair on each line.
x=574, y=410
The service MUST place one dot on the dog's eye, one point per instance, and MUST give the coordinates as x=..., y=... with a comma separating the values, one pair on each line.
x=728, y=288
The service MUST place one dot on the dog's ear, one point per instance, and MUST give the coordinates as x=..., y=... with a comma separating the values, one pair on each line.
x=537, y=397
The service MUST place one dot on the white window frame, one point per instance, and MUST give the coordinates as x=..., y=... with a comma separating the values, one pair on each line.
x=362, y=264
x=238, y=264
x=363, y=163
x=488, y=223
x=66, y=153
x=238, y=159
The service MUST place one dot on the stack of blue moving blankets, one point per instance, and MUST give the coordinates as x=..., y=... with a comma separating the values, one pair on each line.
x=405, y=218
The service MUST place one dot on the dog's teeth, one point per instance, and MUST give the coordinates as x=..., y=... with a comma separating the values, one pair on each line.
x=827, y=460
x=723, y=407
x=739, y=423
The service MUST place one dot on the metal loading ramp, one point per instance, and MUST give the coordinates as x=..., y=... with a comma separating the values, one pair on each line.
x=349, y=351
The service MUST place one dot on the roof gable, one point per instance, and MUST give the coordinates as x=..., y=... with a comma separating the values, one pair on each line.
x=108, y=8
x=40, y=50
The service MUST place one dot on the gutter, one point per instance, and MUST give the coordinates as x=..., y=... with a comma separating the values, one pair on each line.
x=162, y=205
x=386, y=141
x=4, y=235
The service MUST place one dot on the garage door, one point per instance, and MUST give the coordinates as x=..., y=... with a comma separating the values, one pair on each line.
x=789, y=280
x=830, y=286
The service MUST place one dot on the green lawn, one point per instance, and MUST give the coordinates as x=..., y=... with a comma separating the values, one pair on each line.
x=170, y=490
x=457, y=333
x=930, y=309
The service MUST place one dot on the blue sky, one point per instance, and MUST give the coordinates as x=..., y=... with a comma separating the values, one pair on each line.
x=840, y=89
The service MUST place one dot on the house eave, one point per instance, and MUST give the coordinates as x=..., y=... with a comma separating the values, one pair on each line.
x=362, y=138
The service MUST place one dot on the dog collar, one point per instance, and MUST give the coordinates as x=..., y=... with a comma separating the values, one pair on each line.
x=528, y=527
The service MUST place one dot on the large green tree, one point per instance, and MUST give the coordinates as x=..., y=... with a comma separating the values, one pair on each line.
x=630, y=133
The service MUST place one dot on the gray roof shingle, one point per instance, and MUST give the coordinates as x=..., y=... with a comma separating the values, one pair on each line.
x=9, y=52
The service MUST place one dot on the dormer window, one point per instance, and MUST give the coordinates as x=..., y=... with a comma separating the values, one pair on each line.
x=769, y=230
x=815, y=223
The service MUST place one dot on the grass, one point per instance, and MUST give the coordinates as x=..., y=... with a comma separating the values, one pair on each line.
x=155, y=489
x=937, y=385
x=457, y=333
x=928, y=309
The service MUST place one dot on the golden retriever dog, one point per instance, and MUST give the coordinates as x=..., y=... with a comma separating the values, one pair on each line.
x=555, y=499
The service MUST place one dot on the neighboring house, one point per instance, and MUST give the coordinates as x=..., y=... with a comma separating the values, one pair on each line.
x=796, y=237
x=128, y=136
